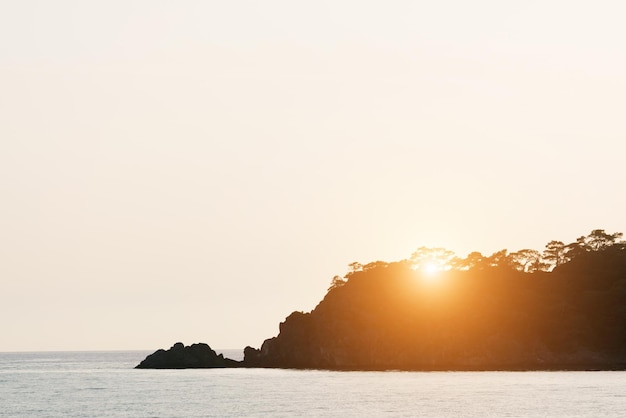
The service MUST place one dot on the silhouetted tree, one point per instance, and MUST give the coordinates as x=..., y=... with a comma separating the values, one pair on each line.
x=538, y=265
x=526, y=260
x=474, y=260
x=598, y=239
x=576, y=249
x=337, y=281
x=355, y=266
x=499, y=259
x=555, y=253
x=374, y=265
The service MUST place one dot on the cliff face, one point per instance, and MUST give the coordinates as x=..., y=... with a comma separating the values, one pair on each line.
x=392, y=317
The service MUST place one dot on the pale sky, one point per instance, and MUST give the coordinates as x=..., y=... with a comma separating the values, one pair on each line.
x=197, y=170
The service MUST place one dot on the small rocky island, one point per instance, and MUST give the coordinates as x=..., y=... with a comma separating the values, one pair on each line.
x=564, y=309
x=179, y=356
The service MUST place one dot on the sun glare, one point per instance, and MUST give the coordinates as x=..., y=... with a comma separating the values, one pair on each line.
x=431, y=271
x=431, y=262
x=431, y=268
x=427, y=271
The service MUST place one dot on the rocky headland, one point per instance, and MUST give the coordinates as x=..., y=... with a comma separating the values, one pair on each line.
x=487, y=313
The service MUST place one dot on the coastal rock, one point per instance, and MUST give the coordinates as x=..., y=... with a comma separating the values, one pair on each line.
x=179, y=356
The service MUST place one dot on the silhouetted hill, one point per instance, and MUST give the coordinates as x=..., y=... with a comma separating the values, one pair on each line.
x=564, y=308
x=493, y=316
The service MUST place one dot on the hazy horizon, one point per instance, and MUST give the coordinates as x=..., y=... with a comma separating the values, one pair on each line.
x=195, y=171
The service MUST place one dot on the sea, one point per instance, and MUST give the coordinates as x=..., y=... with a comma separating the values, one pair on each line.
x=105, y=384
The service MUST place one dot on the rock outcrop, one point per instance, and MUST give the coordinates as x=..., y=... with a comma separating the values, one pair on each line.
x=179, y=356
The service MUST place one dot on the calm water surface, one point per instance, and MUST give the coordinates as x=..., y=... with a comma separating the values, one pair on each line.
x=92, y=384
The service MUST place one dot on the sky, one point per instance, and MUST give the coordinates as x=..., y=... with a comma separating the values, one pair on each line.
x=197, y=170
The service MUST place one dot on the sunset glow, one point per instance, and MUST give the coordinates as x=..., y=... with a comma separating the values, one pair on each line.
x=156, y=156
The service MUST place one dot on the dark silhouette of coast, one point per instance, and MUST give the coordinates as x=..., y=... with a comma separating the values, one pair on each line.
x=560, y=309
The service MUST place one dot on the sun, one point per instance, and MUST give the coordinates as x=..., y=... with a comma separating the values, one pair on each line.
x=431, y=268
x=429, y=271
x=431, y=264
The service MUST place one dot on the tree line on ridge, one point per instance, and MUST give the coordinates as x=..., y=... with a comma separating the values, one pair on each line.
x=556, y=254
